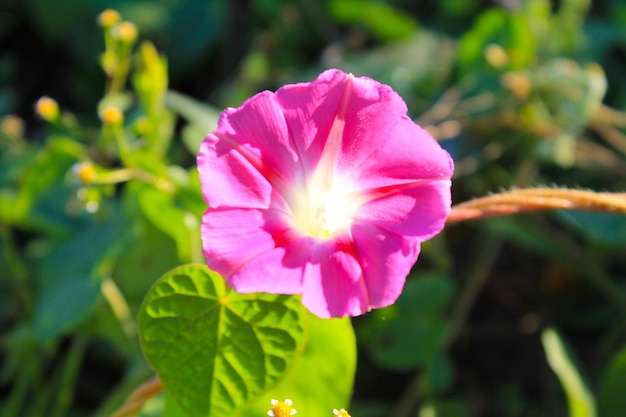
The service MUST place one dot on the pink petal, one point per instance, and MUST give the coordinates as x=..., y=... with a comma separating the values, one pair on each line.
x=371, y=113
x=333, y=282
x=259, y=126
x=310, y=110
x=232, y=237
x=410, y=153
x=278, y=271
x=386, y=259
x=419, y=210
x=228, y=179
x=369, y=109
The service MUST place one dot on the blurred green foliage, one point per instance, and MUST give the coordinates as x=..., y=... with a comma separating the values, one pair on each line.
x=96, y=205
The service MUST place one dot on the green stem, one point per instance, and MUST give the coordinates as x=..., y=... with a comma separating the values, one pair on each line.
x=127, y=174
x=119, y=306
x=123, y=67
x=476, y=279
x=123, y=147
x=71, y=368
x=411, y=396
x=16, y=398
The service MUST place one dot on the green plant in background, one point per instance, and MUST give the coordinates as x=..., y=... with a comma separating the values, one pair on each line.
x=124, y=214
x=92, y=215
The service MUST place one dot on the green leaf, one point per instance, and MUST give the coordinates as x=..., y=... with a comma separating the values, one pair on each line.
x=150, y=254
x=201, y=117
x=193, y=111
x=570, y=93
x=213, y=349
x=7, y=201
x=509, y=30
x=382, y=19
x=48, y=171
x=608, y=228
x=411, y=332
x=207, y=18
x=70, y=278
x=171, y=409
x=59, y=20
x=182, y=226
x=190, y=194
x=423, y=64
x=315, y=390
x=611, y=398
x=528, y=235
x=447, y=408
x=63, y=306
x=15, y=162
x=438, y=375
x=579, y=398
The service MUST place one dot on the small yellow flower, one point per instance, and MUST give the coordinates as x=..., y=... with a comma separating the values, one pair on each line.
x=125, y=32
x=12, y=126
x=111, y=115
x=518, y=83
x=496, y=55
x=341, y=413
x=47, y=108
x=85, y=172
x=108, y=18
x=281, y=409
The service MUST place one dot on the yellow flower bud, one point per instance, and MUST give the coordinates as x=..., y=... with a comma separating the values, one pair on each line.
x=518, y=83
x=85, y=172
x=125, y=32
x=496, y=55
x=12, y=126
x=108, y=18
x=47, y=108
x=111, y=115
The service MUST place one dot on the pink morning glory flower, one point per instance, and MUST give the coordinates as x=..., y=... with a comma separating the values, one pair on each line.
x=324, y=189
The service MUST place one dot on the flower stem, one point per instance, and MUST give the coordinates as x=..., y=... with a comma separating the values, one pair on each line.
x=537, y=199
x=139, y=397
x=127, y=174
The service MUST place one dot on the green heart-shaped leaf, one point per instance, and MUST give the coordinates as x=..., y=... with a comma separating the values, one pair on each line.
x=213, y=349
x=323, y=377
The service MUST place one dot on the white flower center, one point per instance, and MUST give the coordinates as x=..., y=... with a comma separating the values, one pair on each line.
x=328, y=204
x=320, y=211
